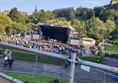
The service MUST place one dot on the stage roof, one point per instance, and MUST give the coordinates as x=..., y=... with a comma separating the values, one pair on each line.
x=56, y=25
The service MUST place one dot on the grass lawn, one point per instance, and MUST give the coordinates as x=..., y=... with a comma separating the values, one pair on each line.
x=112, y=48
x=27, y=78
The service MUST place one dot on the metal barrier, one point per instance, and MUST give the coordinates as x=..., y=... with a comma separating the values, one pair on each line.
x=88, y=63
x=36, y=68
x=94, y=76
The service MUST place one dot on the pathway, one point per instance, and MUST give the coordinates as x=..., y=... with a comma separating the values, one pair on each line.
x=81, y=76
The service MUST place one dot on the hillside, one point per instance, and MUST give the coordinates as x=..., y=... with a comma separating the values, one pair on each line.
x=114, y=6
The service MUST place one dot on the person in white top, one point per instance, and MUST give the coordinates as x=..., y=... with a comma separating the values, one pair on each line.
x=9, y=60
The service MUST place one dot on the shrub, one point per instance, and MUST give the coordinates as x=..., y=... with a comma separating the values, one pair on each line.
x=93, y=58
x=27, y=56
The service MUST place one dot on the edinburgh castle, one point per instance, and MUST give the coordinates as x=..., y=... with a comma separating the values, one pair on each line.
x=114, y=2
x=113, y=5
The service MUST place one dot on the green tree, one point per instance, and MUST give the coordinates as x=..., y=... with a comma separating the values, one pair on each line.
x=2, y=29
x=16, y=16
x=75, y=23
x=99, y=10
x=110, y=26
x=71, y=15
x=10, y=30
x=84, y=13
x=94, y=26
x=99, y=37
x=67, y=13
x=41, y=16
x=5, y=20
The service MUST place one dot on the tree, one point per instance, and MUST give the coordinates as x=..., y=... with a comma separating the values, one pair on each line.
x=2, y=29
x=10, y=30
x=41, y=16
x=99, y=37
x=5, y=20
x=67, y=13
x=84, y=13
x=71, y=15
x=94, y=26
x=90, y=13
x=110, y=26
x=75, y=23
x=16, y=16
x=114, y=34
x=99, y=10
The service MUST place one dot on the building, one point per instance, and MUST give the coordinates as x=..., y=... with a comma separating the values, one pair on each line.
x=6, y=12
x=114, y=2
x=83, y=42
x=23, y=13
x=113, y=5
x=35, y=10
x=64, y=8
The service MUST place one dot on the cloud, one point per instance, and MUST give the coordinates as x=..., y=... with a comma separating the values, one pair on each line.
x=91, y=2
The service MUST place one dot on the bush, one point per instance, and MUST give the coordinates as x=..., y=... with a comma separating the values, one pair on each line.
x=115, y=42
x=27, y=56
x=93, y=58
x=56, y=81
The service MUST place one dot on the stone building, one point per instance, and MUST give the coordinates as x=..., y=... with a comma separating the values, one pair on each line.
x=114, y=2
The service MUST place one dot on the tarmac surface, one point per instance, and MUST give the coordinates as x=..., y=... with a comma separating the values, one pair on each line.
x=2, y=80
x=81, y=76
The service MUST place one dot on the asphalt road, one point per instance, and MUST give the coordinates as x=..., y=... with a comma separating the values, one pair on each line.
x=81, y=76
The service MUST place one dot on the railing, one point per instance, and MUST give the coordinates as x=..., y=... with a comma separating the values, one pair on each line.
x=34, y=66
x=94, y=76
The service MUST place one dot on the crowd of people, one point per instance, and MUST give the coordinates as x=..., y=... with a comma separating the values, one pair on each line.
x=51, y=46
x=48, y=46
x=111, y=55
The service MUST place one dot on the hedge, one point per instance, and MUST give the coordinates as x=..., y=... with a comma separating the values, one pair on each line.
x=97, y=59
x=27, y=56
x=6, y=47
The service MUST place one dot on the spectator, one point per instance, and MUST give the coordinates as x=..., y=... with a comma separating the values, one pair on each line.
x=9, y=59
x=66, y=64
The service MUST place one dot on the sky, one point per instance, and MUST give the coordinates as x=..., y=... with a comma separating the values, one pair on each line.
x=29, y=5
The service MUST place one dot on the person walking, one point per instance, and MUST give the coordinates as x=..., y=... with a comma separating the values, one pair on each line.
x=9, y=60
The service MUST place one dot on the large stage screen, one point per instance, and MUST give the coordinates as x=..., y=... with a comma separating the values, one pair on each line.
x=59, y=33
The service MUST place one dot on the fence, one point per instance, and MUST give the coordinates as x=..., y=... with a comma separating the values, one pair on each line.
x=94, y=76
x=32, y=64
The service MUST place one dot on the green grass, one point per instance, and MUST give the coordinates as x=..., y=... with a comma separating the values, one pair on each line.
x=112, y=48
x=27, y=78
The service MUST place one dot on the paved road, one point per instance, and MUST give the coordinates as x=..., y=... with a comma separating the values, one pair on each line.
x=81, y=76
x=2, y=80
